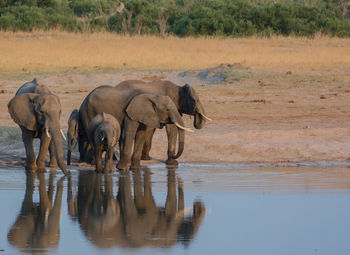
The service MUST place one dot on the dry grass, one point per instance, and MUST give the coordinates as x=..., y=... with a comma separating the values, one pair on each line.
x=61, y=51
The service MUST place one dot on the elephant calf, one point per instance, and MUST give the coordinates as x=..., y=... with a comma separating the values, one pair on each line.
x=103, y=133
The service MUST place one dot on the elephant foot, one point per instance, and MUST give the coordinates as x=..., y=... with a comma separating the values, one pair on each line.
x=145, y=157
x=31, y=166
x=135, y=166
x=108, y=170
x=171, y=162
x=53, y=164
x=122, y=166
x=31, y=169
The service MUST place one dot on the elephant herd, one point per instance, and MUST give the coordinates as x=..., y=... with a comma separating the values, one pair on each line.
x=126, y=114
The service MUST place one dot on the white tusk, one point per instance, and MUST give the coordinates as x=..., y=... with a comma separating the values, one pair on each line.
x=186, y=129
x=205, y=117
x=47, y=133
x=64, y=137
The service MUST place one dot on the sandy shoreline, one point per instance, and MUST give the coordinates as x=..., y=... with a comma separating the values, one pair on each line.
x=261, y=116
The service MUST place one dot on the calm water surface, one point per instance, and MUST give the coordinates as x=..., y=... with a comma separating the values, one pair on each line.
x=195, y=209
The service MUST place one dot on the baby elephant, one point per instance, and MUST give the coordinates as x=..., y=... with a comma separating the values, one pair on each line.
x=104, y=132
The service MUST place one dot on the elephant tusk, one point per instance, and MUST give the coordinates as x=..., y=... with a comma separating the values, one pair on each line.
x=47, y=133
x=205, y=117
x=186, y=129
x=64, y=137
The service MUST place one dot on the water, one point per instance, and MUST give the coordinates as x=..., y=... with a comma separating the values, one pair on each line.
x=195, y=209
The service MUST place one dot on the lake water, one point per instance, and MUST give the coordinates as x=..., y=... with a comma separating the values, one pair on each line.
x=194, y=209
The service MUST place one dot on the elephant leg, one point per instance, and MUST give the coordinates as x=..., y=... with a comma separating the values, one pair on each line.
x=85, y=150
x=53, y=160
x=44, y=146
x=148, y=144
x=128, y=137
x=81, y=149
x=109, y=161
x=98, y=161
x=171, y=131
x=27, y=137
x=139, y=143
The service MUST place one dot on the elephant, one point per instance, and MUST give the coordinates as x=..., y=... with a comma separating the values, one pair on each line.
x=38, y=224
x=103, y=133
x=37, y=113
x=72, y=134
x=143, y=112
x=132, y=218
x=113, y=100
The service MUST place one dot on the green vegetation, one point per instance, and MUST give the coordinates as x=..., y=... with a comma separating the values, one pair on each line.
x=180, y=17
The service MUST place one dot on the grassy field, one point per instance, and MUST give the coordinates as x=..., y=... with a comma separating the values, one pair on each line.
x=41, y=52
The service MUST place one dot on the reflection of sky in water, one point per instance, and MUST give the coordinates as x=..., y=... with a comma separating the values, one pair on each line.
x=259, y=210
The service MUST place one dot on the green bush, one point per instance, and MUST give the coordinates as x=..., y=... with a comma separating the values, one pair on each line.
x=180, y=17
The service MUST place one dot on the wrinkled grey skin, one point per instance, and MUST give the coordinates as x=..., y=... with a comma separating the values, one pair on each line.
x=113, y=100
x=104, y=133
x=35, y=112
x=72, y=134
x=144, y=112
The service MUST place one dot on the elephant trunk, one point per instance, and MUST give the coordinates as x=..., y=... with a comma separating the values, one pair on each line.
x=199, y=116
x=69, y=153
x=181, y=143
x=57, y=144
x=71, y=143
x=176, y=118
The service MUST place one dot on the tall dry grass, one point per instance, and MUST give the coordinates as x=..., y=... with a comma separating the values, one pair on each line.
x=61, y=51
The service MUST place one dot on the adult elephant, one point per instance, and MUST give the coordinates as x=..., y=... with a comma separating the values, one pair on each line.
x=144, y=112
x=37, y=112
x=113, y=100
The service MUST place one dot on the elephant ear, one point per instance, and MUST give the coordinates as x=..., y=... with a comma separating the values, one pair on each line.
x=21, y=110
x=187, y=100
x=142, y=108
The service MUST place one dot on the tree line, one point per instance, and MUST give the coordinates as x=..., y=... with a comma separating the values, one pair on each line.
x=233, y=18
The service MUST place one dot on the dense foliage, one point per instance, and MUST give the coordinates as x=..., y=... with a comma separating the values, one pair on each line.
x=180, y=17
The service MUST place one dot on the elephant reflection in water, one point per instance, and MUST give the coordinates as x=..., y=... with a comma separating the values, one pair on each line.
x=133, y=219
x=38, y=223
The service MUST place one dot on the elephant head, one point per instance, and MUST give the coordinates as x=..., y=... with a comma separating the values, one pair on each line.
x=189, y=103
x=73, y=124
x=107, y=132
x=40, y=114
x=155, y=111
